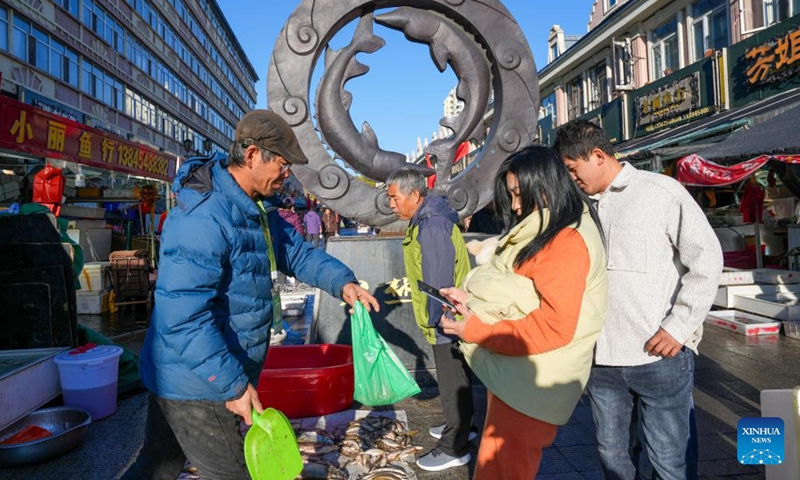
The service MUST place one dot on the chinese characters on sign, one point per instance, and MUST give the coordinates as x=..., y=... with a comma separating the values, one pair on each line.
x=773, y=61
x=35, y=131
x=668, y=101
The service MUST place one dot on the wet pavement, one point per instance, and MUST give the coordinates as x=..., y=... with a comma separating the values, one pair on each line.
x=730, y=373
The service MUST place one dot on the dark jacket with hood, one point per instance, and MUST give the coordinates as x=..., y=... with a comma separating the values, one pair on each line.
x=210, y=326
x=434, y=252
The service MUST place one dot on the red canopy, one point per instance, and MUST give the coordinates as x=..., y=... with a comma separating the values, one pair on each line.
x=696, y=171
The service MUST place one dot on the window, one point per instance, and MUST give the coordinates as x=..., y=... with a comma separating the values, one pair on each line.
x=574, y=99
x=795, y=7
x=102, y=86
x=47, y=54
x=140, y=108
x=69, y=5
x=664, y=49
x=103, y=25
x=709, y=26
x=759, y=14
x=548, y=107
x=599, y=93
x=610, y=4
x=3, y=29
x=623, y=78
x=554, y=52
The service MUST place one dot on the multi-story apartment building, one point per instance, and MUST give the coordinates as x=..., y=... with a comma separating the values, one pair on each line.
x=647, y=67
x=163, y=79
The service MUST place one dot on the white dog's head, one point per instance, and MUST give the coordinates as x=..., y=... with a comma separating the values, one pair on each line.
x=483, y=250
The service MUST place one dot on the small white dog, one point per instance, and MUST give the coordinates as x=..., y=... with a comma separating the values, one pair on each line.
x=483, y=250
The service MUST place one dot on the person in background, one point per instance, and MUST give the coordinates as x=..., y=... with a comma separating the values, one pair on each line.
x=434, y=252
x=313, y=227
x=209, y=332
x=485, y=221
x=533, y=312
x=664, y=265
x=330, y=223
x=287, y=213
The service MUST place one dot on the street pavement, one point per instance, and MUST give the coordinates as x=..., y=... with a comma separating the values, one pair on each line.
x=730, y=373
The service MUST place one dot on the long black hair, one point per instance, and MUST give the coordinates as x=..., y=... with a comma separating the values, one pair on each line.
x=544, y=182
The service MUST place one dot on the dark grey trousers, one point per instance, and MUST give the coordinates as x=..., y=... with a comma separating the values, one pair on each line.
x=205, y=433
x=455, y=392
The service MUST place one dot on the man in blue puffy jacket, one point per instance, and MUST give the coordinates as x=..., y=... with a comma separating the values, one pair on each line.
x=210, y=327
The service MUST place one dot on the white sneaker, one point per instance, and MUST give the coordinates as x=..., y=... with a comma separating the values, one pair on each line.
x=436, y=460
x=436, y=432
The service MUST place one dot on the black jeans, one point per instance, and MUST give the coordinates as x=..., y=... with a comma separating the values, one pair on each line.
x=455, y=392
x=205, y=433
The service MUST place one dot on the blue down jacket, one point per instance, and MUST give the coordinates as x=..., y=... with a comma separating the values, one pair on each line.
x=209, y=331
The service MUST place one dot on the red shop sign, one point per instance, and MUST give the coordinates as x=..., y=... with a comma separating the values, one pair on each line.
x=32, y=130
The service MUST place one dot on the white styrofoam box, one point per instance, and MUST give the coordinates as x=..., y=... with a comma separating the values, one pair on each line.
x=743, y=323
x=92, y=303
x=783, y=306
x=119, y=193
x=293, y=305
x=736, y=276
x=783, y=404
x=775, y=276
x=32, y=383
x=82, y=212
x=726, y=293
x=94, y=277
x=86, y=224
x=100, y=239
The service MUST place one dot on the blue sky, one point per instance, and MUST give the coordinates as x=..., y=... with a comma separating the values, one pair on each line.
x=401, y=96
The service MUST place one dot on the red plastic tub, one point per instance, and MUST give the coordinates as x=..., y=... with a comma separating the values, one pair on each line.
x=307, y=380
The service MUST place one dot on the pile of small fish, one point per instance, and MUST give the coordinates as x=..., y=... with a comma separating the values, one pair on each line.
x=371, y=448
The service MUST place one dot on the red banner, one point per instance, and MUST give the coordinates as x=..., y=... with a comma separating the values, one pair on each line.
x=698, y=172
x=34, y=131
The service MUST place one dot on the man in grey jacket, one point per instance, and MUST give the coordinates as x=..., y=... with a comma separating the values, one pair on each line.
x=663, y=262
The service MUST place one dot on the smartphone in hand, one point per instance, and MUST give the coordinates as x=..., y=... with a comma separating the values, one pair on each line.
x=434, y=294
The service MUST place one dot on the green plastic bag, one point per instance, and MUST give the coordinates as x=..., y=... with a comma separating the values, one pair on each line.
x=380, y=377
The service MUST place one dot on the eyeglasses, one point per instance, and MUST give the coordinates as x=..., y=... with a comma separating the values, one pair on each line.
x=284, y=168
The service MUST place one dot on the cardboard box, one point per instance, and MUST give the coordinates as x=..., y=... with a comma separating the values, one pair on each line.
x=783, y=306
x=90, y=192
x=743, y=323
x=91, y=303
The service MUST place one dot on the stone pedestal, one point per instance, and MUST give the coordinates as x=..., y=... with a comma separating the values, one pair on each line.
x=378, y=264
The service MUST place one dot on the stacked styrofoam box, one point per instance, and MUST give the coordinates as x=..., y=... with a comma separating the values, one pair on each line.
x=119, y=193
x=91, y=302
x=94, y=277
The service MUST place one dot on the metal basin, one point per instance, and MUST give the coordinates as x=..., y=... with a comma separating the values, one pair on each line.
x=67, y=424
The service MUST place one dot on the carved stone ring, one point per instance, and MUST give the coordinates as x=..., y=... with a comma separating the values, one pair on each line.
x=478, y=39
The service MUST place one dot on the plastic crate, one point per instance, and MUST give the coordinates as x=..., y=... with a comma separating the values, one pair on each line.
x=307, y=380
x=791, y=329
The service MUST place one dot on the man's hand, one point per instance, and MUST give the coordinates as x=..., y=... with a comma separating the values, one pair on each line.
x=244, y=405
x=662, y=344
x=353, y=292
x=451, y=327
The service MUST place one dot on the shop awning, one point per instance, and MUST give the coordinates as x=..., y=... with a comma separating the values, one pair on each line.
x=713, y=129
x=774, y=139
